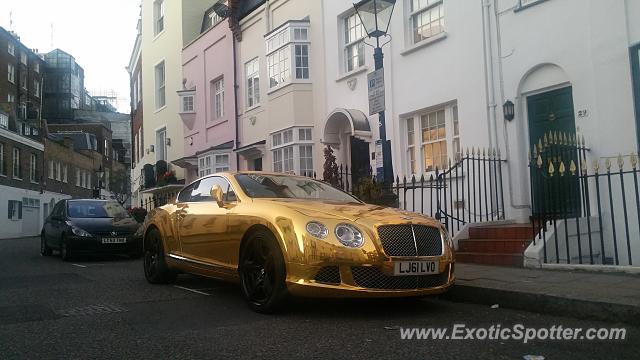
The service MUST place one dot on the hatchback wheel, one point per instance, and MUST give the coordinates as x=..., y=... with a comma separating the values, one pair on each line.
x=66, y=254
x=262, y=273
x=156, y=270
x=45, y=250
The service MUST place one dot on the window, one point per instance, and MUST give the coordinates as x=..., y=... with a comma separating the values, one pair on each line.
x=221, y=162
x=427, y=19
x=51, y=169
x=252, y=71
x=33, y=168
x=22, y=111
x=214, y=18
x=213, y=163
x=15, y=210
x=287, y=58
x=23, y=79
x=11, y=98
x=437, y=134
x=218, y=98
x=11, y=48
x=188, y=105
x=160, y=85
x=411, y=147
x=4, y=121
x=36, y=88
x=23, y=58
x=36, y=67
x=77, y=177
x=16, y=164
x=58, y=171
x=354, y=35
x=106, y=148
x=64, y=173
x=161, y=144
x=288, y=145
x=2, y=167
x=158, y=17
x=202, y=192
x=11, y=73
x=302, y=61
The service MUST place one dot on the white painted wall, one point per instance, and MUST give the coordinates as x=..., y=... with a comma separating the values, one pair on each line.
x=22, y=228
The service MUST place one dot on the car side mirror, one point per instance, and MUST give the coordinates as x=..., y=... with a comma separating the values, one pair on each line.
x=216, y=194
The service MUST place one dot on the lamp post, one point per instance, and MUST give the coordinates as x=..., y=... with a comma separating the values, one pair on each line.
x=375, y=16
x=99, y=174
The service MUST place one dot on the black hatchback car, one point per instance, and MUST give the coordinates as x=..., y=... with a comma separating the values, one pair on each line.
x=90, y=226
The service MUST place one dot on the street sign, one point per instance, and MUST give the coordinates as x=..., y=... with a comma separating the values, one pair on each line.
x=375, y=84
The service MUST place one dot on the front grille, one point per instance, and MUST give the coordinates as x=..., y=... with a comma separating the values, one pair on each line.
x=373, y=278
x=410, y=240
x=328, y=275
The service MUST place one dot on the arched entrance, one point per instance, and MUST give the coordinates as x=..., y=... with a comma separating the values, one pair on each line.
x=348, y=132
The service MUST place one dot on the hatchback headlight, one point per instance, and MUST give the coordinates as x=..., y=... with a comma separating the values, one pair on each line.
x=79, y=232
x=349, y=235
x=317, y=229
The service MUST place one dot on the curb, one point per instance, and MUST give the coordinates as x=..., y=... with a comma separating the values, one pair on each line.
x=545, y=304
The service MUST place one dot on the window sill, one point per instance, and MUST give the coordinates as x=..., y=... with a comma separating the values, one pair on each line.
x=287, y=84
x=424, y=43
x=156, y=36
x=252, y=108
x=521, y=7
x=17, y=178
x=216, y=122
x=160, y=109
x=351, y=73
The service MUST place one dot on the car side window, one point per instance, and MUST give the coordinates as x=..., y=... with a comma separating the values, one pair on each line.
x=185, y=194
x=58, y=209
x=202, y=192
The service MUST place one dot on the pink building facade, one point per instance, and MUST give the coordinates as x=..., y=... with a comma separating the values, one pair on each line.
x=207, y=101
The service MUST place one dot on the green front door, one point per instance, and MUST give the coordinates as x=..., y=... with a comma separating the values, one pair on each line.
x=551, y=121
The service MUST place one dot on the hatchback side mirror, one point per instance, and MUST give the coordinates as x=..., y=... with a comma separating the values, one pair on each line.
x=216, y=194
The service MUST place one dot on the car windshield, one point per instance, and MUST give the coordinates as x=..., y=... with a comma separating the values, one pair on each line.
x=96, y=209
x=292, y=187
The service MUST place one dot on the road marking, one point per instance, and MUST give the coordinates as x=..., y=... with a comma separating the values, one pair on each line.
x=192, y=290
x=78, y=265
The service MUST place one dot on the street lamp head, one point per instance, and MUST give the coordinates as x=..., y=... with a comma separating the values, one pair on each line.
x=375, y=16
x=100, y=172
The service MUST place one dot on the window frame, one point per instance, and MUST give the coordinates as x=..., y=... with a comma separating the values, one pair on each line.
x=413, y=14
x=33, y=169
x=160, y=87
x=11, y=48
x=286, y=149
x=348, y=43
x=17, y=173
x=282, y=56
x=158, y=17
x=2, y=162
x=217, y=86
x=162, y=146
x=252, y=97
x=11, y=73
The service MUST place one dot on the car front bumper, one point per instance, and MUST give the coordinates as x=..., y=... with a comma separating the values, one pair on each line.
x=366, y=280
x=94, y=245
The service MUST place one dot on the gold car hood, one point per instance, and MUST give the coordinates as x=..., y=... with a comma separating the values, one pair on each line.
x=366, y=213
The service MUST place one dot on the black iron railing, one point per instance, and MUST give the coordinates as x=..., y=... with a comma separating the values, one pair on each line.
x=585, y=215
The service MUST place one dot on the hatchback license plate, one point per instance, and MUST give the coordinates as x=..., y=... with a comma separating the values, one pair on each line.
x=416, y=267
x=114, y=240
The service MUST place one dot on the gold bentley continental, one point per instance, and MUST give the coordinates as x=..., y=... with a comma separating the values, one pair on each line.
x=281, y=235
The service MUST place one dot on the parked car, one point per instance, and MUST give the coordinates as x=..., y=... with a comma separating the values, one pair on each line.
x=89, y=226
x=281, y=234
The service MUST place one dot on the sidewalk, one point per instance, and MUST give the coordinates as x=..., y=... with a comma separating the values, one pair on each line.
x=582, y=294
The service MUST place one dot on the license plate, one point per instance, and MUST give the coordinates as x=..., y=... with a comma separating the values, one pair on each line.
x=416, y=267
x=114, y=240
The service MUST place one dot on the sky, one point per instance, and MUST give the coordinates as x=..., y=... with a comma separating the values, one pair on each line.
x=98, y=34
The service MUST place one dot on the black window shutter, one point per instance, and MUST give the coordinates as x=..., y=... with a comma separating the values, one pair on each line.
x=19, y=209
x=10, y=212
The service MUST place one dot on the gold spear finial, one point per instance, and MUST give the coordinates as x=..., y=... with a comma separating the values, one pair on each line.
x=607, y=164
x=583, y=166
x=596, y=166
x=539, y=162
x=620, y=161
x=634, y=161
x=562, y=168
x=546, y=140
x=552, y=169
x=572, y=167
x=565, y=138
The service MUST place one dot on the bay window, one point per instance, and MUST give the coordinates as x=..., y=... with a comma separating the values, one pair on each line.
x=289, y=145
x=288, y=54
x=213, y=163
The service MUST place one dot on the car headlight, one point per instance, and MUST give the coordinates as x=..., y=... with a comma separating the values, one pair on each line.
x=446, y=238
x=77, y=231
x=317, y=229
x=349, y=235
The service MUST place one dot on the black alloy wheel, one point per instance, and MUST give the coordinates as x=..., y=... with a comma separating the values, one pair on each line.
x=262, y=273
x=45, y=250
x=65, y=250
x=156, y=270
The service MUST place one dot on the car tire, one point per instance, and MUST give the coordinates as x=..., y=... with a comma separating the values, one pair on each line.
x=45, y=250
x=156, y=270
x=66, y=254
x=262, y=273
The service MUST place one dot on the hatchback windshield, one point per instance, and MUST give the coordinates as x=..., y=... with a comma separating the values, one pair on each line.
x=96, y=209
x=283, y=186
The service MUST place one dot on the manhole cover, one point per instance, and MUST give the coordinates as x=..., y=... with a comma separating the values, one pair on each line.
x=91, y=310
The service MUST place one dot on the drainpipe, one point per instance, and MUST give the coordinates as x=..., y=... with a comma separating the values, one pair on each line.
x=235, y=97
x=490, y=82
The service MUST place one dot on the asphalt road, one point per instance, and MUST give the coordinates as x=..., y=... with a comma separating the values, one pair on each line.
x=99, y=308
